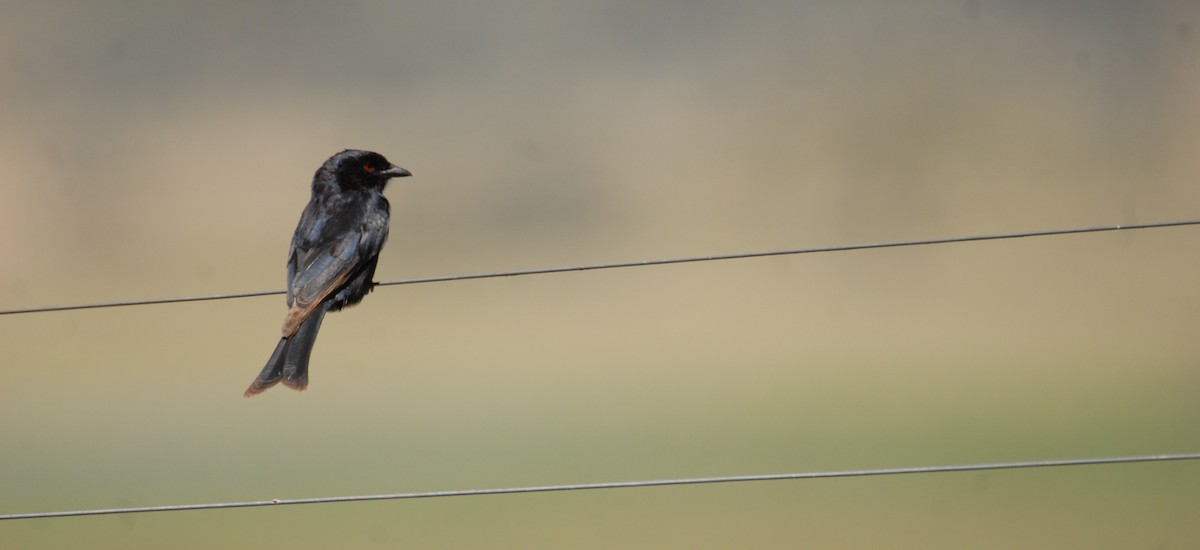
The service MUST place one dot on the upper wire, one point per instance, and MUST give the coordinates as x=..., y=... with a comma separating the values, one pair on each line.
x=637, y=263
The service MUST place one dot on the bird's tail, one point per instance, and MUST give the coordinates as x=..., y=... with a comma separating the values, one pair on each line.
x=289, y=362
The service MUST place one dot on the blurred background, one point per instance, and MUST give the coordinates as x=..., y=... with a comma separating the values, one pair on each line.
x=160, y=149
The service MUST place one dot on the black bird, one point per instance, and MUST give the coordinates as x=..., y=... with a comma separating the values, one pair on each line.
x=333, y=257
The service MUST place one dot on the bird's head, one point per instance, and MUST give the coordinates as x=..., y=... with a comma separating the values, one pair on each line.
x=359, y=169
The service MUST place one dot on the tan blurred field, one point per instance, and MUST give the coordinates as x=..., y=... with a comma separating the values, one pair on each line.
x=165, y=149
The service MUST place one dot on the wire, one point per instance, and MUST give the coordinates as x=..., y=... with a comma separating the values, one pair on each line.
x=618, y=485
x=641, y=263
x=175, y=300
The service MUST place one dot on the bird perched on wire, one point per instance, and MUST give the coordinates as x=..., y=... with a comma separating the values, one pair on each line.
x=333, y=256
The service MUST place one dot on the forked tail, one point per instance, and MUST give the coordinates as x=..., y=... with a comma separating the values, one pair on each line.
x=289, y=362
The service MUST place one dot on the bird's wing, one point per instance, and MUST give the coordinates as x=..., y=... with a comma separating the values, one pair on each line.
x=331, y=244
x=319, y=272
x=324, y=255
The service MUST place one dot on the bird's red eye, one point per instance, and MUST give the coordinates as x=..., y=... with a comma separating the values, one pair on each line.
x=369, y=168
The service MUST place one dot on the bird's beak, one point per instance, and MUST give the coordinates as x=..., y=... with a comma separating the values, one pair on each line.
x=395, y=172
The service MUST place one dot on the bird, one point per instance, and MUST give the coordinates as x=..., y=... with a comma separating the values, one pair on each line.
x=332, y=258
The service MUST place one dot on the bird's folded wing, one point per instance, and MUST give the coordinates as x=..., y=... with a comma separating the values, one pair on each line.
x=323, y=271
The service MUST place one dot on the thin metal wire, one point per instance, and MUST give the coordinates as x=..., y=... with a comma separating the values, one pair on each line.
x=639, y=263
x=147, y=302
x=618, y=485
